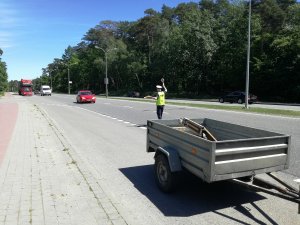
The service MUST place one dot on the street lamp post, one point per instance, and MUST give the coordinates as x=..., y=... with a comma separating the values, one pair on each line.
x=68, y=67
x=68, y=78
x=50, y=79
x=248, y=58
x=106, y=79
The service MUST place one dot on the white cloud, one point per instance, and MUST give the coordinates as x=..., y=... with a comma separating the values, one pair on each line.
x=7, y=15
x=5, y=40
x=8, y=21
x=5, y=34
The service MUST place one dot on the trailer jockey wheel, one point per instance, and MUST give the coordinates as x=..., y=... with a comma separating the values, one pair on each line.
x=165, y=179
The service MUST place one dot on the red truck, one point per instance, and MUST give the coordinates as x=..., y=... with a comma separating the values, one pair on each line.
x=25, y=87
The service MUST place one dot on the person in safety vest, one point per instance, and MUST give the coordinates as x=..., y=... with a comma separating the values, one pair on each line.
x=160, y=99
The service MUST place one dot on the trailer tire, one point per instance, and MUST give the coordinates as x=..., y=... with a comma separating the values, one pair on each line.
x=165, y=179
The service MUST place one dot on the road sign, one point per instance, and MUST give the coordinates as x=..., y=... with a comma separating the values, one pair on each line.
x=105, y=80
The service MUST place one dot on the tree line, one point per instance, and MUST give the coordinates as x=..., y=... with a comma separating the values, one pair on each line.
x=199, y=48
x=3, y=75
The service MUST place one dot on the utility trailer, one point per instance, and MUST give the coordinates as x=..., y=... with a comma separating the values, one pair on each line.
x=214, y=151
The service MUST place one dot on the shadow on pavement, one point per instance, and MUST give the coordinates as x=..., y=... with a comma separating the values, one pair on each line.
x=192, y=196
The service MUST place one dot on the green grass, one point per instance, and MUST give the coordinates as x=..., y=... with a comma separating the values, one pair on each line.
x=251, y=109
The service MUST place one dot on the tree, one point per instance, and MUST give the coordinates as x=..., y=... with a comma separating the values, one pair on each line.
x=199, y=48
x=3, y=75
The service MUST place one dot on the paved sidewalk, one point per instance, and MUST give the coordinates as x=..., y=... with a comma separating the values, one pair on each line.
x=44, y=182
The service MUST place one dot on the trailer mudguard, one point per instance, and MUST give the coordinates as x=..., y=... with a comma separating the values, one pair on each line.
x=172, y=156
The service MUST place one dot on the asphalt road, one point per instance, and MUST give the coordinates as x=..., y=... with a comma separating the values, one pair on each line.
x=111, y=137
x=139, y=112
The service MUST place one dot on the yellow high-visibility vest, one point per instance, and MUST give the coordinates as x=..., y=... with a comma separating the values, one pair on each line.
x=160, y=98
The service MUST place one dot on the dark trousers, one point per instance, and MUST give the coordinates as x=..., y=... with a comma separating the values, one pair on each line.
x=159, y=111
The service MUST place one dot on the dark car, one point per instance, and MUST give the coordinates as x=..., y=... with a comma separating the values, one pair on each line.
x=133, y=94
x=237, y=96
x=36, y=92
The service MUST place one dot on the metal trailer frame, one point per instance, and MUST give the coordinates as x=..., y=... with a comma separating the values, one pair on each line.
x=285, y=191
x=238, y=152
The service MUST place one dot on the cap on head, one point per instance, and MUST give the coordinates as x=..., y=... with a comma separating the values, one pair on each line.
x=158, y=87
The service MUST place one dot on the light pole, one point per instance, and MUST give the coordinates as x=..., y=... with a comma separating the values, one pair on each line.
x=106, y=79
x=68, y=78
x=248, y=57
x=68, y=68
x=50, y=79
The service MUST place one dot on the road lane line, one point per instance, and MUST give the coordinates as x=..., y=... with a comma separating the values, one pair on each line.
x=109, y=117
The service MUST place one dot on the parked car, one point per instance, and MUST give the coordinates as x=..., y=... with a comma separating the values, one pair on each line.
x=36, y=92
x=237, y=96
x=85, y=96
x=133, y=94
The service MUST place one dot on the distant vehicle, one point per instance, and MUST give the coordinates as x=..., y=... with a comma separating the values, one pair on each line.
x=36, y=92
x=85, y=96
x=238, y=97
x=133, y=94
x=25, y=87
x=45, y=90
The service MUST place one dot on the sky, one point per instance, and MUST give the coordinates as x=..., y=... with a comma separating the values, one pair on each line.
x=34, y=32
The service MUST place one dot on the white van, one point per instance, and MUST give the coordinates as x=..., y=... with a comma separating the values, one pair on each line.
x=45, y=90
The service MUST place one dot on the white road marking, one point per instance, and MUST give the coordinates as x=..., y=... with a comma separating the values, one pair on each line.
x=99, y=114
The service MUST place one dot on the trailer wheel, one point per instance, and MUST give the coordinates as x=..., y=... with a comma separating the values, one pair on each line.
x=165, y=179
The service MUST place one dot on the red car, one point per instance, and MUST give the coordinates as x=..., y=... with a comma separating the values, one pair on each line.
x=85, y=96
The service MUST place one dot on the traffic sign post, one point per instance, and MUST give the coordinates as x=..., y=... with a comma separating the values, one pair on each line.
x=105, y=80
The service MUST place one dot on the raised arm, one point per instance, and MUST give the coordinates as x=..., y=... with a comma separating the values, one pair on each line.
x=163, y=84
x=165, y=89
